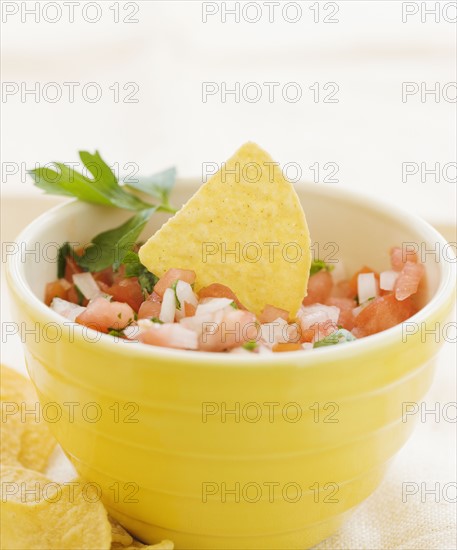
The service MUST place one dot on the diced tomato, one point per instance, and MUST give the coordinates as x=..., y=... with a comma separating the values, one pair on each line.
x=189, y=309
x=319, y=288
x=119, y=275
x=170, y=335
x=382, y=313
x=128, y=291
x=270, y=313
x=399, y=257
x=408, y=281
x=318, y=331
x=171, y=276
x=149, y=309
x=342, y=289
x=56, y=289
x=154, y=297
x=75, y=297
x=346, y=307
x=216, y=290
x=288, y=346
x=71, y=268
x=103, y=315
x=103, y=287
x=236, y=327
x=105, y=276
x=353, y=283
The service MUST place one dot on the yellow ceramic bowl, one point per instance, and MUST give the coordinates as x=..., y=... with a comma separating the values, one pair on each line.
x=234, y=451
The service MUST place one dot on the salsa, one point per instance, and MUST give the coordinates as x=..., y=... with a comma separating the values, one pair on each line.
x=127, y=301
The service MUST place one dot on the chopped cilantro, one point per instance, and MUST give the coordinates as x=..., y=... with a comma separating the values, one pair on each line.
x=250, y=345
x=340, y=336
x=173, y=287
x=80, y=296
x=319, y=265
x=134, y=268
x=64, y=251
x=115, y=332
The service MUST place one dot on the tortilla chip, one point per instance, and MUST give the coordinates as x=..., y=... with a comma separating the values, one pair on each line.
x=11, y=397
x=26, y=440
x=245, y=228
x=163, y=545
x=21, y=485
x=120, y=538
x=64, y=518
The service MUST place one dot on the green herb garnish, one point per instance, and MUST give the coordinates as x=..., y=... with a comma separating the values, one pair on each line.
x=80, y=296
x=340, y=336
x=320, y=265
x=250, y=345
x=134, y=268
x=173, y=287
x=234, y=305
x=158, y=186
x=115, y=332
x=110, y=247
x=102, y=188
x=156, y=320
x=64, y=251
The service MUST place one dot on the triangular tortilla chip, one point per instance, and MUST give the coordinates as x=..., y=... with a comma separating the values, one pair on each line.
x=244, y=228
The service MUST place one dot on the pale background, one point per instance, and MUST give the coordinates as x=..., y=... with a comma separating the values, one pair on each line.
x=369, y=133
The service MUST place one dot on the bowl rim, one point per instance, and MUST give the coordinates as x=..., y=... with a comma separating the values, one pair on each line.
x=17, y=282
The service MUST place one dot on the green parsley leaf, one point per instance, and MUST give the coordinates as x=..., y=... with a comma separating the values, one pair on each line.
x=102, y=189
x=158, y=186
x=234, y=305
x=110, y=247
x=340, y=336
x=64, y=251
x=319, y=265
x=156, y=320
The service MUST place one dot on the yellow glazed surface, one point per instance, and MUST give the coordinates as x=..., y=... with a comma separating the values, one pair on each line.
x=311, y=433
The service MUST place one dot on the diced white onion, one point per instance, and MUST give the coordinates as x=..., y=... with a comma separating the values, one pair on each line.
x=145, y=324
x=131, y=332
x=274, y=332
x=317, y=313
x=211, y=305
x=199, y=322
x=366, y=287
x=168, y=309
x=387, y=279
x=185, y=293
x=66, y=309
x=87, y=285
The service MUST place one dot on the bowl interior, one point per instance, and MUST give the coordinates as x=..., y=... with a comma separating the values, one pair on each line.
x=344, y=228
